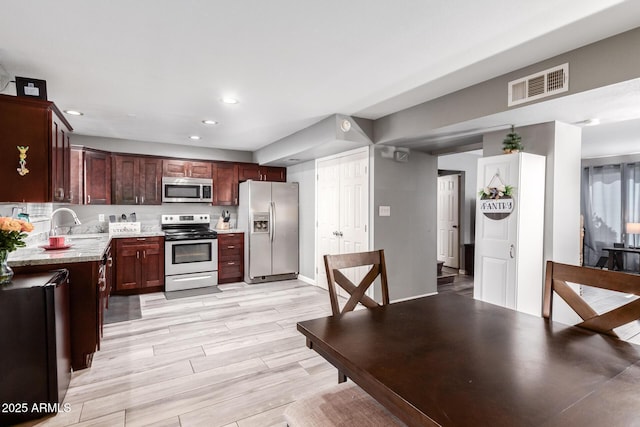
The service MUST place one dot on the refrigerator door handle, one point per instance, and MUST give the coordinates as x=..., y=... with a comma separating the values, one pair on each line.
x=272, y=220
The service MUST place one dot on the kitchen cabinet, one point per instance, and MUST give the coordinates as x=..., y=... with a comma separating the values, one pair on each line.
x=256, y=172
x=85, y=300
x=225, y=184
x=90, y=176
x=186, y=168
x=137, y=180
x=230, y=257
x=139, y=265
x=40, y=127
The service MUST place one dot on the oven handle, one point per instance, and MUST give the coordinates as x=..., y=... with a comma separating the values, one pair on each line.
x=189, y=279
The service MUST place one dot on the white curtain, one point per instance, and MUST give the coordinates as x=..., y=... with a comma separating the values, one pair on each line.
x=632, y=210
x=610, y=200
x=602, y=210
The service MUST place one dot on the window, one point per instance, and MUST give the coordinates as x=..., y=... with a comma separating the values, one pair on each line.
x=610, y=200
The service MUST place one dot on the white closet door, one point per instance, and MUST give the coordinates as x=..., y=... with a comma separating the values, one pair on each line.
x=342, y=209
x=327, y=214
x=509, y=261
x=495, y=259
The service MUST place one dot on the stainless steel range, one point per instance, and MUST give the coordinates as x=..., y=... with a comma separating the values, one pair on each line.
x=190, y=252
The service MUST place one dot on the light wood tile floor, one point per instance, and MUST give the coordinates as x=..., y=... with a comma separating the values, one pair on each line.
x=227, y=359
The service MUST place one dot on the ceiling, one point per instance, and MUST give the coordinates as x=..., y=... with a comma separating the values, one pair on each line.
x=152, y=70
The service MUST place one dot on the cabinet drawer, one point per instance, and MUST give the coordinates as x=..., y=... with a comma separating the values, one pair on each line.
x=229, y=269
x=230, y=238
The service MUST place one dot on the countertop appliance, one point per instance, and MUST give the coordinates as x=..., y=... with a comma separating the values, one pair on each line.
x=187, y=190
x=268, y=213
x=190, y=252
x=35, y=345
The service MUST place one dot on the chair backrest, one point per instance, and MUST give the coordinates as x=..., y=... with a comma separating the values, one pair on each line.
x=556, y=280
x=334, y=263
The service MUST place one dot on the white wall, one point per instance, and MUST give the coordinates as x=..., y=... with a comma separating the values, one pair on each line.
x=304, y=174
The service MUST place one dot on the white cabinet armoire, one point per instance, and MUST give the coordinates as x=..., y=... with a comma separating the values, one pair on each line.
x=509, y=261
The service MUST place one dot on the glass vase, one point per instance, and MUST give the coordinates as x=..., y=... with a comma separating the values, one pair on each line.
x=6, y=273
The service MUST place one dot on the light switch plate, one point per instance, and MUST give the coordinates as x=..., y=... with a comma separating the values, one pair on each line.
x=384, y=211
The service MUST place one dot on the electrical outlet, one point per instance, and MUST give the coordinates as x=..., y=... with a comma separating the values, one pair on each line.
x=101, y=217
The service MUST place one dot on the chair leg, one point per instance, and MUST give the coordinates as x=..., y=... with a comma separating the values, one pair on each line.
x=341, y=377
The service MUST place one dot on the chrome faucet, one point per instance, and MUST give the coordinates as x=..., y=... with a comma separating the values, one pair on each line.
x=52, y=230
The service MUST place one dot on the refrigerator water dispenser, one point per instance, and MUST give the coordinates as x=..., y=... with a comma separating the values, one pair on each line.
x=260, y=223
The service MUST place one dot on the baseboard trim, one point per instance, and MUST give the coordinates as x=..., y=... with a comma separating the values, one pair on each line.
x=414, y=297
x=306, y=279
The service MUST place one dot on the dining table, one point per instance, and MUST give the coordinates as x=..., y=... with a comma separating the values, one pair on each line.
x=451, y=360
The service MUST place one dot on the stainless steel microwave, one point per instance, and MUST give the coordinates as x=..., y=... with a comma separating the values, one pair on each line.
x=187, y=190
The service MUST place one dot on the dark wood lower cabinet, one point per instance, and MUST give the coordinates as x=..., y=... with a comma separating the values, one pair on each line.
x=139, y=265
x=230, y=257
x=85, y=300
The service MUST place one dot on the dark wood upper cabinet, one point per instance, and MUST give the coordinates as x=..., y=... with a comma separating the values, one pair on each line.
x=225, y=184
x=41, y=127
x=256, y=172
x=90, y=176
x=247, y=171
x=272, y=173
x=186, y=168
x=137, y=180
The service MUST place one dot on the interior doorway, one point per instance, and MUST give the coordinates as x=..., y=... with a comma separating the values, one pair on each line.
x=448, y=220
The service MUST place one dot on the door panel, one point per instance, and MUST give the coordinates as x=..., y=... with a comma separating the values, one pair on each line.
x=448, y=231
x=496, y=239
x=328, y=215
x=285, y=232
x=342, y=211
x=259, y=240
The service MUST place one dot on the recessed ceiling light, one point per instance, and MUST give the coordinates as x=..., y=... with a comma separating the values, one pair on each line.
x=74, y=113
x=229, y=100
x=209, y=122
x=194, y=137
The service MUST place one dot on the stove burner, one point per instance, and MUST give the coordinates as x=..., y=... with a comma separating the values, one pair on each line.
x=187, y=227
x=189, y=234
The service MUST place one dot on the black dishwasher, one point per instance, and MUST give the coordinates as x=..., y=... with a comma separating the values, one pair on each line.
x=35, y=346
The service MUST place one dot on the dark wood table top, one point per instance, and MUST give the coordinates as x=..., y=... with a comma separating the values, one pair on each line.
x=456, y=361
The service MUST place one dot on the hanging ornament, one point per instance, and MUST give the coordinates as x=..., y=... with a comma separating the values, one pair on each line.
x=22, y=170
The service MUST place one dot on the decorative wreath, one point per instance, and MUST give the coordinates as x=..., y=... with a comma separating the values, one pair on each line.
x=501, y=191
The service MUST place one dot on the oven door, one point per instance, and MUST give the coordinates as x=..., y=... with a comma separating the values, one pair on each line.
x=190, y=256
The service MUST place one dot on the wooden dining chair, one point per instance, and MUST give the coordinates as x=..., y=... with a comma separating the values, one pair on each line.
x=334, y=263
x=342, y=405
x=557, y=277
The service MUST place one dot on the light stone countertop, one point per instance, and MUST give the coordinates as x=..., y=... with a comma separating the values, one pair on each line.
x=229, y=231
x=84, y=248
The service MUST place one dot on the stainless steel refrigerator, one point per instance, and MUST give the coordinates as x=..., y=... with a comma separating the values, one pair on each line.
x=268, y=215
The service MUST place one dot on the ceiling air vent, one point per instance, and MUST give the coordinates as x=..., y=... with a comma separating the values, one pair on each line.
x=539, y=85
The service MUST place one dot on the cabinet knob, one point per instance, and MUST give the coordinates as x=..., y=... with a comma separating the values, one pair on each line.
x=231, y=263
x=138, y=254
x=88, y=199
x=231, y=247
